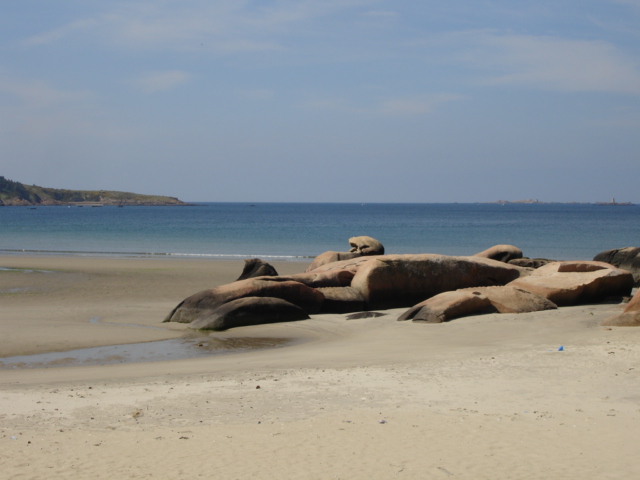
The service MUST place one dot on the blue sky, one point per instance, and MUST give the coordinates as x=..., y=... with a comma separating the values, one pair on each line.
x=324, y=101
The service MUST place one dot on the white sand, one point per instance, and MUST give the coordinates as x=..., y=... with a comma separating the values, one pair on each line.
x=487, y=397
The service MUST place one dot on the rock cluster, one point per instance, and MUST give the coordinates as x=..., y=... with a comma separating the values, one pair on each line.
x=435, y=288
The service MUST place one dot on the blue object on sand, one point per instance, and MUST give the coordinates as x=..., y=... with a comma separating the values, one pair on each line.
x=561, y=349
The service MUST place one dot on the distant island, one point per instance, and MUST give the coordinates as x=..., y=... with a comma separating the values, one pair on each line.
x=538, y=202
x=18, y=194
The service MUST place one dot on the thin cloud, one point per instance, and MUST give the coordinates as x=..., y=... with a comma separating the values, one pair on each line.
x=160, y=81
x=37, y=110
x=36, y=94
x=397, y=106
x=552, y=63
x=224, y=26
x=59, y=33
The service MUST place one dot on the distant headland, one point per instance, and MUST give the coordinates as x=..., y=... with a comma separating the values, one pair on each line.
x=18, y=194
x=538, y=202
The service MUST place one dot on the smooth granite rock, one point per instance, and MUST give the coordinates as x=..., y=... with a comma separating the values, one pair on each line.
x=192, y=308
x=509, y=299
x=248, y=311
x=627, y=258
x=630, y=317
x=575, y=283
x=392, y=281
x=255, y=267
x=366, y=246
x=501, y=253
x=447, y=306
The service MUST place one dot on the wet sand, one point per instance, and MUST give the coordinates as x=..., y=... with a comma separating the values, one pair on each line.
x=481, y=397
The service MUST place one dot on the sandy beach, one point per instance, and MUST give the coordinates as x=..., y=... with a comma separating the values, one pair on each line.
x=485, y=397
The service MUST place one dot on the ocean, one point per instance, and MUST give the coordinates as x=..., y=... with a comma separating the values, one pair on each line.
x=300, y=231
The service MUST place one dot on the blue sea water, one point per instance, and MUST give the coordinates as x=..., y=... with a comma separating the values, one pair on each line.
x=300, y=231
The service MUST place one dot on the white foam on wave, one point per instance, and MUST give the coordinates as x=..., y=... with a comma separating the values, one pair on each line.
x=220, y=256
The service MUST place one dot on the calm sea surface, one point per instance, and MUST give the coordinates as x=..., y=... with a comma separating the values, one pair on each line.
x=298, y=232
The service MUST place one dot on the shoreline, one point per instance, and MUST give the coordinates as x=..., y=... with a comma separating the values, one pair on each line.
x=479, y=397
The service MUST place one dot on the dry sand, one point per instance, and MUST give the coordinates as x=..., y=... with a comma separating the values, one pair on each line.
x=487, y=397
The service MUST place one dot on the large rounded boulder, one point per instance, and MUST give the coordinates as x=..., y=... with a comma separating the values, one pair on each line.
x=393, y=281
x=247, y=311
x=509, y=299
x=630, y=317
x=447, y=306
x=575, y=283
x=204, y=303
x=627, y=258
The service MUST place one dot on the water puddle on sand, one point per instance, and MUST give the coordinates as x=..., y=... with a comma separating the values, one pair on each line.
x=175, y=349
x=24, y=270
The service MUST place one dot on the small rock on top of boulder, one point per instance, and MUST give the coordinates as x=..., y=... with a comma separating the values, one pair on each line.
x=501, y=253
x=360, y=246
x=366, y=246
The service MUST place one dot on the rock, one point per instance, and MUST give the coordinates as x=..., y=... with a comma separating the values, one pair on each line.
x=393, y=281
x=248, y=311
x=331, y=257
x=366, y=246
x=630, y=317
x=205, y=302
x=449, y=305
x=341, y=300
x=337, y=277
x=509, y=299
x=501, y=253
x=255, y=267
x=363, y=283
x=578, y=282
x=361, y=246
x=530, y=262
x=627, y=258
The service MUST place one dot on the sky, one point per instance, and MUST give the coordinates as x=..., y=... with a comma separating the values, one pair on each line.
x=325, y=100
